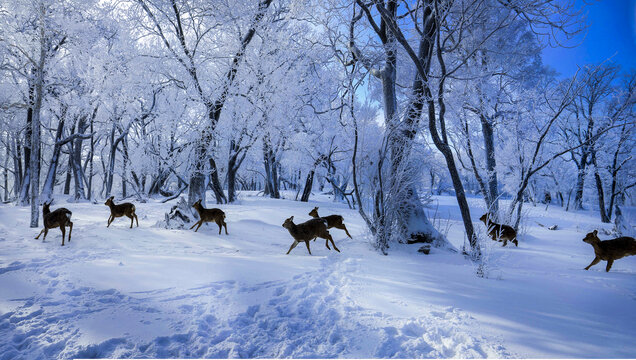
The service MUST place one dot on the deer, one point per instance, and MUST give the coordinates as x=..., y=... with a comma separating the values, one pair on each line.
x=119, y=210
x=209, y=215
x=58, y=218
x=499, y=232
x=609, y=250
x=333, y=221
x=308, y=230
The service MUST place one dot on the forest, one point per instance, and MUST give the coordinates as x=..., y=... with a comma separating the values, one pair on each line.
x=382, y=105
x=389, y=112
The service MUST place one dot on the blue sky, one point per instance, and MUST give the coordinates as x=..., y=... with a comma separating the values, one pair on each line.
x=611, y=33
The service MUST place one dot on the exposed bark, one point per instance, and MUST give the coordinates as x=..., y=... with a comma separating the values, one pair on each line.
x=271, y=169
x=491, y=167
x=600, y=191
x=49, y=182
x=28, y=134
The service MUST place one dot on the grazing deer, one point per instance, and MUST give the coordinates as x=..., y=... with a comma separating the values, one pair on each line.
x=333, y=221
x=119, y=210
x=308, y=230
x=209, y=215
x=610, y=250
x=58, y=218
x=499, y=232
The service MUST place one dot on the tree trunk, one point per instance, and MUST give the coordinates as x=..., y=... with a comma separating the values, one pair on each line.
x=49, y=183
x=76, y=155
x=35, y=136
x=271, y=172
x=232, y=167
x=309, y=183
x=91, y=155
x=491, y=167
x=599, y=189
x=28, y=135
x=580, y=182
x=67, y=181
x=17, y=167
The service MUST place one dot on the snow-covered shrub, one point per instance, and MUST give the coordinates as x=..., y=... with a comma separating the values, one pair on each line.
x=178, y=217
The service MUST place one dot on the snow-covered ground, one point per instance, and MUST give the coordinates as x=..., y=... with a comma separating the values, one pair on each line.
x=151, y=292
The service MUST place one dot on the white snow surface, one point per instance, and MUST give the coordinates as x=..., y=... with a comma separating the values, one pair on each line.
x=152, y=292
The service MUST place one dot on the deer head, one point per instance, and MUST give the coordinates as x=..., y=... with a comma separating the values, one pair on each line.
x=592, y=237
x=109, y=201
x=288, y=223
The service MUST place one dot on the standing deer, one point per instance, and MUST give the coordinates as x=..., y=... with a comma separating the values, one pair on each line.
x=58, y=218
x=308, y=230
x=119, y=210
x=333, y=221
x=499, y=232
x=610, y=250
x=209, y=215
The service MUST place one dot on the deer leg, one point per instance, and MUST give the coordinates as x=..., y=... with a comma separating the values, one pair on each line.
x=200, y=223
x=307, y=243
x=220, y=224
x=292, y=247
x=110, y=220
x=70, y=230
x=131, y=220
x=345, y=229
x=63, y=233
x=46, y=231
x=37, y=237
x=225, y=226
x=609, y=265
x=505, y=241
x=195, y=224
x=136, y=219
x=332, y=243
x=594, y=262
x=326, y=242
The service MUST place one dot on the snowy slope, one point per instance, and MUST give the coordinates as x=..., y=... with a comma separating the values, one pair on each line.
x=151, y=292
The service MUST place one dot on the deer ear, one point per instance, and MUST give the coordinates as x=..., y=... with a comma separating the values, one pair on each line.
x=595, y=232
x=291, y=218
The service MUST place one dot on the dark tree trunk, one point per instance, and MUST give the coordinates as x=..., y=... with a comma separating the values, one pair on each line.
x=17, y=168
x=580, y=182
x=491, y=166
x=309, y=183
x=67, y=181
x=76, y=156
x=271, y=169
x=28, y=134
x=599, y=189
x=90, y=157
x=215, y=183
x=49, y=182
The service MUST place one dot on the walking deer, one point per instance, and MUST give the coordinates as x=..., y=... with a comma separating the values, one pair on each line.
x=333, y=221
x=499, y=232
x=58, y=218
x=119, y=210
x=209, y=215
x=610, y=250
x=308, y=230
